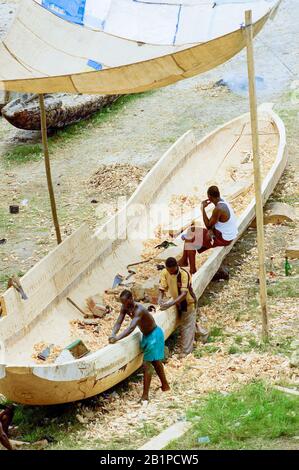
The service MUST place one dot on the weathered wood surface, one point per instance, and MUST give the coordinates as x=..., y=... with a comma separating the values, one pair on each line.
x=62, y=109
x=292, y=251
x=278, y=213
x=175, y=431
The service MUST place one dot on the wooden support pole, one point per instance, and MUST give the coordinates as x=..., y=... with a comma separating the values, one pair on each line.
x=6, y=96
x=257, y=174
x=48, y=167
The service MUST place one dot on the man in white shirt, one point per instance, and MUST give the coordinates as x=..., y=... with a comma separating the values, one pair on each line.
x=221, y=229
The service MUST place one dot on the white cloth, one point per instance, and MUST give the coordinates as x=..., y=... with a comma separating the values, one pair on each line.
x=229, y=229
x=163, y=22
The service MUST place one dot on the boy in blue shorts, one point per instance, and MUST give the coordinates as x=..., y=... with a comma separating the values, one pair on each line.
x=152, y=343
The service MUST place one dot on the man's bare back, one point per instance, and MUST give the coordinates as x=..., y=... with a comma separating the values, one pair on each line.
x=145, y=320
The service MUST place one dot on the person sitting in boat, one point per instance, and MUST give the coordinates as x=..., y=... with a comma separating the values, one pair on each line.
x=177, y=282
x=152, y=343
x=221, y=229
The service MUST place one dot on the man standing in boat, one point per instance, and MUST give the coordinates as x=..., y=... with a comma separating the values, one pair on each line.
x=221, y=229
x=152, y=343
x=177, y=282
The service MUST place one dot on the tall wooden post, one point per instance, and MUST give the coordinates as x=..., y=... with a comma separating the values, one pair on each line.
x=257, y=174
x=48, y=166
x=6, y=96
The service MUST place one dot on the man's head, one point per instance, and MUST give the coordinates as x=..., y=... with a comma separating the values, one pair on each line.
x=172, y=265
x=126, y=298
x=213, y=194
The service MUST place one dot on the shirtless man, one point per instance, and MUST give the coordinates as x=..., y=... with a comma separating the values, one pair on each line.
x=152, y=343
x=221, y=229
x=6, y=416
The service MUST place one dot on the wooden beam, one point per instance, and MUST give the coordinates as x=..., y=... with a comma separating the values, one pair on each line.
x=257, y=173
x=48, y=167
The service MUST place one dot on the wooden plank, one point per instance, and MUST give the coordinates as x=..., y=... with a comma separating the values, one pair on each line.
x=278, y=213
x=290, y=391
x=292, y=251
x=173, y=432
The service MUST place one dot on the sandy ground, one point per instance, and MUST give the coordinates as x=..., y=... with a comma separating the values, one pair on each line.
x=138, y=134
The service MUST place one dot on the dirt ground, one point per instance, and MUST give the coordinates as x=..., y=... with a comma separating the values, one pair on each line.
x=138, y=134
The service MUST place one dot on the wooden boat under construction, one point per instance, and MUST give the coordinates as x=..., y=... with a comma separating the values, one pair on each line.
x=62, y=109
x=85, y=263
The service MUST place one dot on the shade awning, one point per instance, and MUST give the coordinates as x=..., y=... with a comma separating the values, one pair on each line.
x=121, y=46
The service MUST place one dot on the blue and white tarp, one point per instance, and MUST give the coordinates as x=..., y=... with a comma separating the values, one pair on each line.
x=156, y=21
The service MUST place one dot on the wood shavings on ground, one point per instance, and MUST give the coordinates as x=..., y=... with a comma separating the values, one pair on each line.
x=121, y=419
x=212, y=89
x=118, y=179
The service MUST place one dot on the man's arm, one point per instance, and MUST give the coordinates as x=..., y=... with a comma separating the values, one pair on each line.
x=163, y=287
x=173, y=302
x=131, y=327
x=118, y=323
x=210, y=223
x=190, y=235
x=161, y=296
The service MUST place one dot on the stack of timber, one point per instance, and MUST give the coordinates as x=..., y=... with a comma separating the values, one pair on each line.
x=62, y=109
x=85, y=264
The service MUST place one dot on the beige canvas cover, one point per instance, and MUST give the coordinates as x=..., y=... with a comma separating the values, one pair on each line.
x=48, y=50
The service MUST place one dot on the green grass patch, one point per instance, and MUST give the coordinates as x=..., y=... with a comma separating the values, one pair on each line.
x=23, y=154
x=247, y=344
x=216, y=332
x=254, y=412
x=287, y=288
x=233, y=350
x=206, y=349
x=48, y=422
x=31, y=152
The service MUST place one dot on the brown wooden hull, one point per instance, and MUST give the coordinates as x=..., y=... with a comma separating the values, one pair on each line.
x=61, y=110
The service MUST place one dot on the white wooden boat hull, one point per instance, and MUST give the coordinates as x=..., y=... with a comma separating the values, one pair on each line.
x=83, y=262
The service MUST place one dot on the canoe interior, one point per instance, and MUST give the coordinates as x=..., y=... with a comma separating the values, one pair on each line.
x=85, y=265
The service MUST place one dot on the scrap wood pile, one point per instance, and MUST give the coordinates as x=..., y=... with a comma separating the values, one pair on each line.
x=118, y=179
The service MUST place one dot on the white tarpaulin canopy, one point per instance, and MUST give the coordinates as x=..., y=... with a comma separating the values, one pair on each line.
x=121, y=46
x=173, y=22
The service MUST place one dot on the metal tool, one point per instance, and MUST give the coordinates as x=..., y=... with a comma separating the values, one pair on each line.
x=14, y=281
x=119, y=278
x=165, y=244
x=76, y=306
x=43, y=355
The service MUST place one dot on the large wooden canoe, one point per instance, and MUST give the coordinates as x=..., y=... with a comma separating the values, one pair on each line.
x=86, y=263
x=62, y=109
